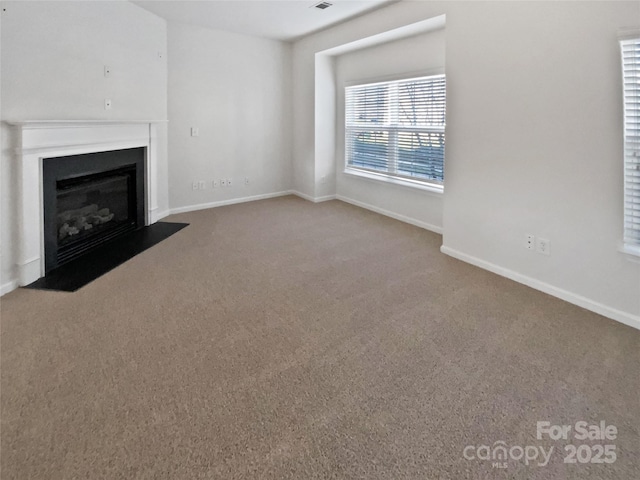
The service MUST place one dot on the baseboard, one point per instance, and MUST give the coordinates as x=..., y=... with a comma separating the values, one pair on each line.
x=8, y=287
x=29, y=271
x=326, y=198
x=160, y=215
x=387, y=213
x=586, y=303
x=312, y=199
x=222, y=203
x=156, y=215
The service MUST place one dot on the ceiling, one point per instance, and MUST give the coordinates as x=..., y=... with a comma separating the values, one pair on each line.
x=277, y=19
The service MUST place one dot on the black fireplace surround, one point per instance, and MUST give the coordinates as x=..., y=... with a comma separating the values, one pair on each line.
x=91, y=199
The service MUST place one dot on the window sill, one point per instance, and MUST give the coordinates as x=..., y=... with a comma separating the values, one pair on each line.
x=631, y=252
x=432, y=188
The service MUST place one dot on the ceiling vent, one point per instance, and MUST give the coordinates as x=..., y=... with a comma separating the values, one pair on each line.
x=322, y=5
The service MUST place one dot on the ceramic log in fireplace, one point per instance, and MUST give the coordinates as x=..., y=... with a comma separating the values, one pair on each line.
x=91, y=199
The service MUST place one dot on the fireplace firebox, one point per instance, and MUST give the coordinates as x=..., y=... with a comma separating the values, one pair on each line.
x=91, y=199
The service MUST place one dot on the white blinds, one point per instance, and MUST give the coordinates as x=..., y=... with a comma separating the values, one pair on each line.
x=397, y=128
x=631, y=87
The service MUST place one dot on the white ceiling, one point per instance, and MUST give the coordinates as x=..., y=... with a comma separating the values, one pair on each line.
x=278, y=19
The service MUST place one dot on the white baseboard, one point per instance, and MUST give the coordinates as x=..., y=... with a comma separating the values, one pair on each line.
x=161, y=214
x=221, y=203
x=8, y=287
x=596, y=307
x=387, y=213
x=29, y=271
x=312, y=199
x=156, y=215
x=326, y=198
x=302, y=195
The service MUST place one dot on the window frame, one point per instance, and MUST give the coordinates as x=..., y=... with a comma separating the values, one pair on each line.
x=631, y=150
x=394, y=129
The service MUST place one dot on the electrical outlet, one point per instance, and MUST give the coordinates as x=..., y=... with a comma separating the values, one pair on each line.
x=530, y=243
x=246, y=180
x=229, y=182
x=223, y=182
x=216, y=183
x=201, y=185
x=323, y=179
x=194, y=185
x=195, y=131
x=543, y=246
x=107, y=104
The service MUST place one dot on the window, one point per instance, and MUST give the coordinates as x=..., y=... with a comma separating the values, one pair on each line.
x=396, y=129
x=630, y=50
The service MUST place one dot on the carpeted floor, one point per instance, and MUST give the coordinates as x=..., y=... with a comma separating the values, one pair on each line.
x=282, y=339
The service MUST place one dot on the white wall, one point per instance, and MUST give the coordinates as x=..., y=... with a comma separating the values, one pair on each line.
x=236, y=90
x=535, y=120
x=415, y=55
x=53, y=56
x=534, y=139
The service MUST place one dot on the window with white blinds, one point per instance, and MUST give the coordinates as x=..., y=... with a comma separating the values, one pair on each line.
x=630, y=49
x=397, y=128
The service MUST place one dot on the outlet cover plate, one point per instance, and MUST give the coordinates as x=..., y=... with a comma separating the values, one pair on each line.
x=543, y=246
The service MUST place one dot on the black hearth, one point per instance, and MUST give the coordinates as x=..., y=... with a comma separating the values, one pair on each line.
x=91, y=199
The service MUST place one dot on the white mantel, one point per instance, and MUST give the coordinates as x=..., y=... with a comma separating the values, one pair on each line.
x=42, y=139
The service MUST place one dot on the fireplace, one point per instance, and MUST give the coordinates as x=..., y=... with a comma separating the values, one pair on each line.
x=90, y=199
x=38, y=143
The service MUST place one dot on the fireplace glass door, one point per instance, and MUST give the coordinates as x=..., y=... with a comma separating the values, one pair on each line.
x=92, y=210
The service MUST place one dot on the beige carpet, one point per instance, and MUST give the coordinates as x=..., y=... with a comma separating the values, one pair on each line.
x=282, y=339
